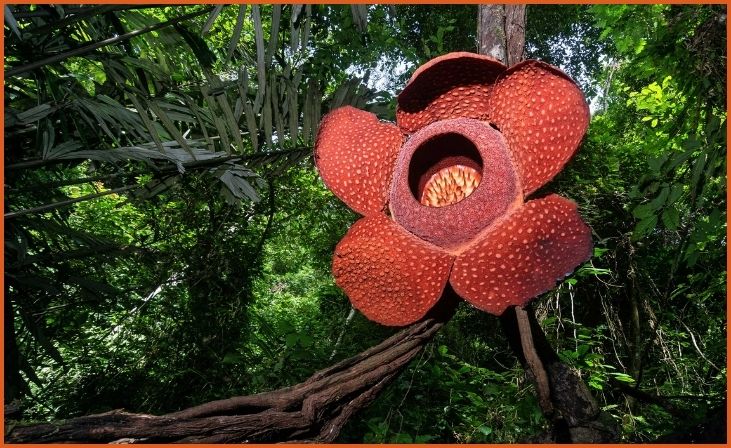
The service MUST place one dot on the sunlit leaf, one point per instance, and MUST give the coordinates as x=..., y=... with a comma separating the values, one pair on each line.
x=260, y=55
x=274, y=34
x=236, y=36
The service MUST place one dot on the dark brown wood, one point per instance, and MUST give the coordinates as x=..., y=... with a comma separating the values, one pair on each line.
x=533, y=361
x=312, y=411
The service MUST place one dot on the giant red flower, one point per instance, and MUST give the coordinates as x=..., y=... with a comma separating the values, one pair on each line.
x=444, y=191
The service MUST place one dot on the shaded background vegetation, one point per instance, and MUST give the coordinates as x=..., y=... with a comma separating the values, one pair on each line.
x=168, y=241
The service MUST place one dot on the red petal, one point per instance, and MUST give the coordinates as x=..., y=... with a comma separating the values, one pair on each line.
x=355, y=154
x=522, y=256
x=543, y=116
x=451, y=86
x=389, y=275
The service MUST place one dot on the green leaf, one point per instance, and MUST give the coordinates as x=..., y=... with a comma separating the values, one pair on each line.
x=599, y=251
x=656, y=163
x=291, y=340
x=177, y=112
x=402, y=438
x=236, y=36
x=278, y=118
x=305, y=340
x=675, y=192
x=660, y=199
x=156, y=187
x=284, y=326
x=142, y=111
x=643, y=211
x=233, y=125
x=293, y=30
x=307, y=23
x=169, y=125
x=95, y=287
x=691, y=143
x=198, y=46
x=173, y=154
x=266, y=119
x=698, y=166
x=485, y=430
x=260, y=56
x=293, y=112
x=152, y=68
x=623, y=377
x=273, y=34
x=235, y=180
x=645, y=226
x=307, y=123
x=35, y=113
x=671, y=218
x=232, y=358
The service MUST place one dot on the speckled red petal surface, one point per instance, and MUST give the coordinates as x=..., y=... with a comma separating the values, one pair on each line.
x=543, y=116
x=388, y=274
x=355, y=154
x=451, y=86
x=523, y=255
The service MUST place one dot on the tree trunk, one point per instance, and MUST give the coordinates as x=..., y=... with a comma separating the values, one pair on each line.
x=501, y=32
x=574, y=413
x=563, y=396
x=312, y=411
x=515, y=33
x=491, y=31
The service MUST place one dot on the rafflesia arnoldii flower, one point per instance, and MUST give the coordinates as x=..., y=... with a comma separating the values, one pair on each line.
x=444, y=193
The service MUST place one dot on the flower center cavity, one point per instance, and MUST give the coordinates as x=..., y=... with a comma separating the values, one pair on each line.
x=445, y=170
x=450, y=185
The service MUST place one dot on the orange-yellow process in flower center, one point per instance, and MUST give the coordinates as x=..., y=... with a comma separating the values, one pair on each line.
x=450, y=185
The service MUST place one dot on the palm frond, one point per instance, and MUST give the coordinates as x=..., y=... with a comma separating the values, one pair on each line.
x=86, y=49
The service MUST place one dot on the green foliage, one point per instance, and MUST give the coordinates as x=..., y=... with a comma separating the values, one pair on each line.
x=159, y=279
x=458, y=401
x=659, y=211
x=566, y=36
